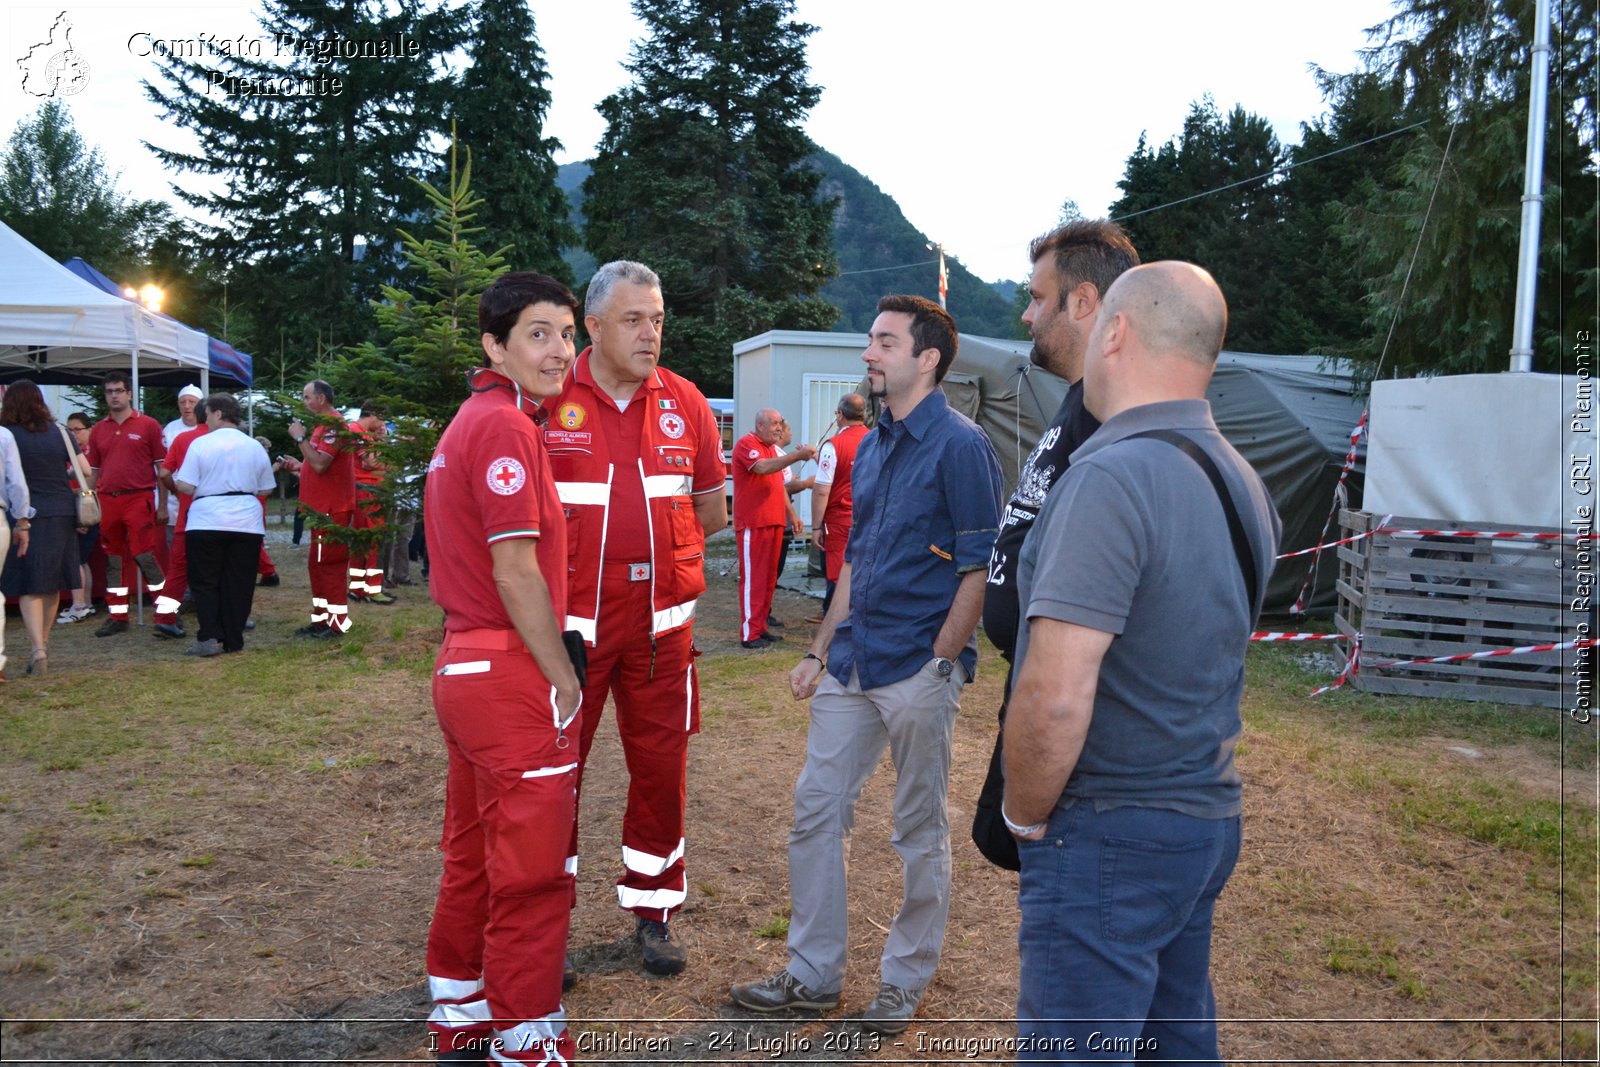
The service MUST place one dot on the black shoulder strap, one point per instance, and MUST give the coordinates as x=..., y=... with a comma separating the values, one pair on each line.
x=1241, y=544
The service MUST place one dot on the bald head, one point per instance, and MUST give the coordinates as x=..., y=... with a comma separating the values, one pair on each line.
x=1155, y=339
x=1174, y=309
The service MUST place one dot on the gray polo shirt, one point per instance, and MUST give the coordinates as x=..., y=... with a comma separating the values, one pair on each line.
x=1134, y=542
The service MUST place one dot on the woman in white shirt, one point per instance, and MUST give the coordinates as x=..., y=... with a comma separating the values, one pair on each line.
x=226, y=472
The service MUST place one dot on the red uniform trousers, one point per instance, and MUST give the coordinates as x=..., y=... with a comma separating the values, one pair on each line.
x=330, y=596
x=366, y=575
x=499, y=931
x=835, y=536
x=177, y=572
x=127, y=530
x=657, y=695
x=760, y=558
x=264, y=565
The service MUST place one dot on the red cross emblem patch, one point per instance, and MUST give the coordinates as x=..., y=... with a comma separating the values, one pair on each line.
x=506, y=476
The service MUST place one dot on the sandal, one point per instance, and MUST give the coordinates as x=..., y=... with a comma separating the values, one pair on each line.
x=39, y=664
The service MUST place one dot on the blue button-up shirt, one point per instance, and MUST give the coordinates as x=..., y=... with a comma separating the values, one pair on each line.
x=927, y=506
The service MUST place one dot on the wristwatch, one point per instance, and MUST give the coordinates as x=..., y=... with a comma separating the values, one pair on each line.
x=944, y=667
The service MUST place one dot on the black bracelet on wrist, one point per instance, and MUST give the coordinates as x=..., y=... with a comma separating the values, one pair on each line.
x=813, y=655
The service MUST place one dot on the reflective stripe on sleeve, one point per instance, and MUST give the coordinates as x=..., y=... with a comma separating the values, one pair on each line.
x=675, y=616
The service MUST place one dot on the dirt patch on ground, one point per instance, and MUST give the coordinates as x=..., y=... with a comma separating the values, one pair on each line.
x=265, y=894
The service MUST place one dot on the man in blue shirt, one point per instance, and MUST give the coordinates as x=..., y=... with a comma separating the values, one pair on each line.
x=901, y=627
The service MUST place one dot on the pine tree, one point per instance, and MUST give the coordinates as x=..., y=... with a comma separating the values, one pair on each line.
x=1453, y=198
x=1207, y=196
x=500, y=110
x=701, y=174
x=315, y=150
x=418, y=374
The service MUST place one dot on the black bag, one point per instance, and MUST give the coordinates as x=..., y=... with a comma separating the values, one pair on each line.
x=989, y=831
x=578, y=653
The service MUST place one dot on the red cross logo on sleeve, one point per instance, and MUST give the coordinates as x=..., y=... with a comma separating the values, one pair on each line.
x=506, y=476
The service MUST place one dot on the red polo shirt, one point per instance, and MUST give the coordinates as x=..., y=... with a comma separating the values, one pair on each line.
x=174, y=460
x=334, y=490
x=490, y=480
x=758, y=499
x=126, y=453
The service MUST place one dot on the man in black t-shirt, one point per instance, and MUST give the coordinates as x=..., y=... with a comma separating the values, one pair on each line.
x=1073, y=265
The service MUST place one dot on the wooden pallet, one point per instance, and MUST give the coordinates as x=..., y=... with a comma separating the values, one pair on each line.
x=1411, y=598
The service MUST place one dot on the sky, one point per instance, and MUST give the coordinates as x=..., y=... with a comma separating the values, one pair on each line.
x=980, y=122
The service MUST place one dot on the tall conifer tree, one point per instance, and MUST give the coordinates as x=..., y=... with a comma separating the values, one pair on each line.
x=701, y=174
x=315, y=149
x=500, y=112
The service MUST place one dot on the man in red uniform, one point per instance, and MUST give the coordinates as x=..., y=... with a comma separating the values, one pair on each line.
x=366, y=577
x=638, y=463
x=760, y=512
x=171, y=598
x=327, y=487
x=124, y=449
x=505, y=693
x=830, y=492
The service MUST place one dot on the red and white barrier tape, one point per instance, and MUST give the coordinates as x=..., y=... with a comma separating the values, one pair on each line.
x=1299, y=607
x=1525, y=650
x=1497, y=535
x=1267, y=635
x=1350, y=667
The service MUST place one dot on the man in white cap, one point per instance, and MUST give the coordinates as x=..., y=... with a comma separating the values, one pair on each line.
x=189, y=398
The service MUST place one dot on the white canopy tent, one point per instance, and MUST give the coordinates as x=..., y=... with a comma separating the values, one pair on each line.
x=56, y=328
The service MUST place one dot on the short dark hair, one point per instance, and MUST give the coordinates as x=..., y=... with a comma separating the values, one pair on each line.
x=372, y=407
x=226, y=406
x=503, y=302
x=1096, y=251
x=322, y=389
x=931, y=327
x=117, y=376
x=80, y=417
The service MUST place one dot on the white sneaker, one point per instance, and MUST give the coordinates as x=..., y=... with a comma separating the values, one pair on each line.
x=74, y=614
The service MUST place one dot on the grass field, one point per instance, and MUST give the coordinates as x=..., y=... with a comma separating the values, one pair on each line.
x=253, y=837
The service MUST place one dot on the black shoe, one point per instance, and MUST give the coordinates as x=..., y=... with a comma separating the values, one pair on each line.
x=569, y=975
x=661, y=954
x=755, y=642
x=773, y=623
x=270, y=580
x=169, y=630
x=771, y=638
x=310, y=631
x=111, y=626
x=325, y=633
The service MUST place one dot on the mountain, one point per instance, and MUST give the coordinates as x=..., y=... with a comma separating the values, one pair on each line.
x=879, y=252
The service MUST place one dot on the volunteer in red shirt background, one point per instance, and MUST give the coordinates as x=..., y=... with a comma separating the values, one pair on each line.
x=760, y=512
x=328, y=487
x=506, y=694
x=124, y=449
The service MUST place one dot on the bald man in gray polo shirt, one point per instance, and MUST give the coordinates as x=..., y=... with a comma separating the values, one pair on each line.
x=1120, y=784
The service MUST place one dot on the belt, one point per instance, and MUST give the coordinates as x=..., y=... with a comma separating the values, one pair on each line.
x=229, y=492
x=129, y=492
x=633, y=572
x=497, y=640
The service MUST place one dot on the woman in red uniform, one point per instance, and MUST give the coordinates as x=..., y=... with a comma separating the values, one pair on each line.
x=505, y=693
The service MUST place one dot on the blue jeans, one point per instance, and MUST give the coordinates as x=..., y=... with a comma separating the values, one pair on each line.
x=1116, y=935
